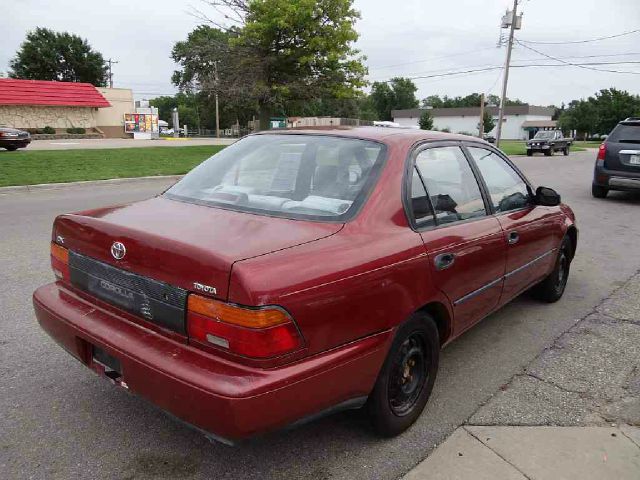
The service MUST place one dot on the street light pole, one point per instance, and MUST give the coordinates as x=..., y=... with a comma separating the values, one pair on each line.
x=505, y=80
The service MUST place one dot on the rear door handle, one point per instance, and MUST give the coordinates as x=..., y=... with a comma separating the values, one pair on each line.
x=444, y=261
x=513, y=237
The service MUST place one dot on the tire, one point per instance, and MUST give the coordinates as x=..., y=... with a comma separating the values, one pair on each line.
x=552, y=288
x=565, y=151
x=11, y=149
x=549, y=152
x=529, y=153
x=599, y=192
x=407, y=376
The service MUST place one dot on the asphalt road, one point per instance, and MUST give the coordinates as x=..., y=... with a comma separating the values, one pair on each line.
x=58, y=420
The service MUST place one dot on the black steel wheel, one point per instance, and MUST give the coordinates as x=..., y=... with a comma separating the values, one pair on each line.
x=407, y=376
x=553, y=286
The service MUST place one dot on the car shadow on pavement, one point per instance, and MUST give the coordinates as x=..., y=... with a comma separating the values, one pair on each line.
x=623, y=197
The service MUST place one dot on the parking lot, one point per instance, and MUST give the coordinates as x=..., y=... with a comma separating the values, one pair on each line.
x=59, y=420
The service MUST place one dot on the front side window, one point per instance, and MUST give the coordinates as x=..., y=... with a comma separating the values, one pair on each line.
x=451, y=184
x=300, y=176
x=508, y=191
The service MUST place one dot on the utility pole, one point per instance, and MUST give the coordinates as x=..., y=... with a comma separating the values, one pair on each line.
x=110, y=62
x=513, y=23
x=481, y=124
x=215, y=72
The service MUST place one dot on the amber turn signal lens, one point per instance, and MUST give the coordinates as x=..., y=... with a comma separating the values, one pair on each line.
x=60, y=262
x=60, y=253
x=243, y=317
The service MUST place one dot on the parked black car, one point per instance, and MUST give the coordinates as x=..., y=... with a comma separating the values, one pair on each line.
x=618, y=163
x=548, y=142
x=12, y=139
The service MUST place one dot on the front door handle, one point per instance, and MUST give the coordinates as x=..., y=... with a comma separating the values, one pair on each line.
x=513, y=237
x=444, y=261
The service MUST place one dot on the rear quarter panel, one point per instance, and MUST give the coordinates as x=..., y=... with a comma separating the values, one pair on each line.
x=368, y=277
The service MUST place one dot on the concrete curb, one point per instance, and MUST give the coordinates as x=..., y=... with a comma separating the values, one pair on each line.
x=89, y=183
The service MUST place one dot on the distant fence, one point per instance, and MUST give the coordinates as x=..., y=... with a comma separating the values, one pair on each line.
x=224, y=132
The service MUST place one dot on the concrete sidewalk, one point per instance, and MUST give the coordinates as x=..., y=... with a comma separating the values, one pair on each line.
x=544, y=453
x=572, y=413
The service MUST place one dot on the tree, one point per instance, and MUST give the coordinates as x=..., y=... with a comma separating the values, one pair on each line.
x=433, y=101
x=188, y=109
x=471, y=100
x=397, y=94
x=49, y=55
x=426, y=122
x=613, y=105
x=600, y=113
x=488, y=123
x=284, y=50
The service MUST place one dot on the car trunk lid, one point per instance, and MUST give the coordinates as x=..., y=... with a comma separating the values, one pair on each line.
x=170, y=247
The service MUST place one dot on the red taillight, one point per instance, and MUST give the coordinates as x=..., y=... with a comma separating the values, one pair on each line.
x=60, y=262
x=251, y=332
x=602, y=151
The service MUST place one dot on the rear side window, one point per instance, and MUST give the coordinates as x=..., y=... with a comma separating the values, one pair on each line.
x=508, y=191
x=420, y=203
x=299, y=176
x=451, y=184
x=625, y=134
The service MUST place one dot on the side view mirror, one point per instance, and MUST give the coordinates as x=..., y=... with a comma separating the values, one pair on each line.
x=547, y=197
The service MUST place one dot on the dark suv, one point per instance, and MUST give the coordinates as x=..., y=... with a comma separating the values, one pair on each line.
x=618, y=163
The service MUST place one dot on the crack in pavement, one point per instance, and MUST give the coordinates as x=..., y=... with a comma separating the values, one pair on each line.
x=563, y=349
x=504, y=459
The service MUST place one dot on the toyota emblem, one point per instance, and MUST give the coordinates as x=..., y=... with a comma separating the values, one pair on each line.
x=118, y=250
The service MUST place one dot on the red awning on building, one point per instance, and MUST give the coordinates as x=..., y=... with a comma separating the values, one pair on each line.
x=45, y=93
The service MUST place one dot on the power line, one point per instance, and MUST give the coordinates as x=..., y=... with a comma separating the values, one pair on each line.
x=585, y=56
x=575, y=64
x=515, y=65
x=582, y=41
x=432, y=59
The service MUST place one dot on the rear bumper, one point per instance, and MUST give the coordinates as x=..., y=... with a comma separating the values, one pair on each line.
x=616, y=179
x=220, y=397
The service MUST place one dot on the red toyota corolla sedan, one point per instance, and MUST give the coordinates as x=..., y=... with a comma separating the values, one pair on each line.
x=300, y=272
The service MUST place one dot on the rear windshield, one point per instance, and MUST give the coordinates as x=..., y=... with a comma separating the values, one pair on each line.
x=297, y=176
x=625, y=134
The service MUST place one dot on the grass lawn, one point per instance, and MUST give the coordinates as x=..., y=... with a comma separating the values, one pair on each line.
x=517, y=147
x=24, y=167
x=588, y=144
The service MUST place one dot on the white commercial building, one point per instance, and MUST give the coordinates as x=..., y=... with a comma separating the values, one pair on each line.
x=520, y=122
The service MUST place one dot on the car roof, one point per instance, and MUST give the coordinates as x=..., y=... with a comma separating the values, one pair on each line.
x=379, y=134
